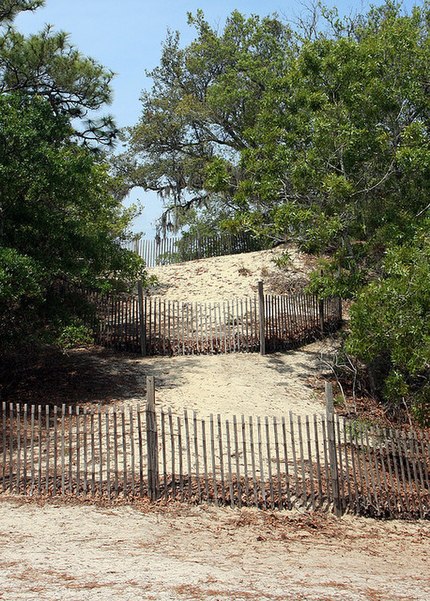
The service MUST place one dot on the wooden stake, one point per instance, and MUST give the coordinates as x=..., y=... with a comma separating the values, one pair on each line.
x=151, y=439
x=332, y=448
x=262, y=319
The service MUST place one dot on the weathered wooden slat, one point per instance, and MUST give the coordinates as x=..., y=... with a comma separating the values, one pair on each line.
x=85, y=450
x=132, y=449
x=11, y=419
x=269, y=463
x=124, y=453
x=287, y=473
x=115, y=450
x=364, y=464
x=18, y=448
x=151, y=439
x=108, y=449
x=230, y=476
x=63, y=449
x=25, y=440
x=54, y=487
x=277, y=459
x=78, y=451
x=172, y=452
x=93, y=452
x=253, y=462
x=196, y=455
x=341, y=472
x=318, y=461
x=4, y=430
x=293, y=452
x=180, y=461
x=358, y=484
x=245, y=458
x=32, y=460
x=261, y=465
x=163, y=453
x=370, y=462
x=213, y=457
x=310, y=460
x=237, y=457
x=221, y=458
x=205, y=459
x=347, y=470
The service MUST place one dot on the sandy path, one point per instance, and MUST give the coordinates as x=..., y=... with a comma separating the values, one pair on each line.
x=240, y=383
x=83, y=552
x=227, y=277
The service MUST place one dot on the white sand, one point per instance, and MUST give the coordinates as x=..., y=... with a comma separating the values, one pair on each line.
x=232, y=276
x=77, y=552
x=240, y=383
x=62, y=552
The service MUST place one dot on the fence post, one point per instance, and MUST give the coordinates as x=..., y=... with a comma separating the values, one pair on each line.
x=151, y=439
x=142, y=320
x=332, y=448
x=262, y=316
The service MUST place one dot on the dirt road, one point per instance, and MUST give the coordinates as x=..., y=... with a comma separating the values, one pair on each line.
x=74, y=552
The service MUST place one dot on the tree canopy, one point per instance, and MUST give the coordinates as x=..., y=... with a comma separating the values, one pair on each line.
x=47, y=64
x=60, y=215
x=317, y=133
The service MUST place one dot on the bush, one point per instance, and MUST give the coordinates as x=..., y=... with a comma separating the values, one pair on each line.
x=390, y=329
x=75, y=335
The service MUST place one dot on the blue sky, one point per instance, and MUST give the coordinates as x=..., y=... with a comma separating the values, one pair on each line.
x=126, y=36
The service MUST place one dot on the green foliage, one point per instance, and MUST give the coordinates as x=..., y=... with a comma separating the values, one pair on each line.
x=283, y=260
x=390, y=327
x=75, y=335
x=48, y=65
x=357, y=429
x=199, y=117
x=318, y=135
x=61, y=219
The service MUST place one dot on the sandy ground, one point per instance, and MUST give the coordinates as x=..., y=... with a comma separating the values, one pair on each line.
x=69, y=552
x=74, y=552
x=232, y=276
x=237, y=384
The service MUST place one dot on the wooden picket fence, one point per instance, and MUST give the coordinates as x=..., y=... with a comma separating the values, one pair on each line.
x=312, y=462
x=267, y=323
x=170, y=250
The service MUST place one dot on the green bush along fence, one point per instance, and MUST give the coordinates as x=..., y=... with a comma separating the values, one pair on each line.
x=312, y=462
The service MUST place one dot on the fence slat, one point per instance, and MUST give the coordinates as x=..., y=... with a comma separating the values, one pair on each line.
x=180, y=461
x=260, y=457
x=230, y=477
x=205, y=459
x=196, y=455
x=25, y=426
x=172, y=452
x=221, y=458
x=293, y=451
x=245, y=458
x=269, y=463
x=237, y=453
x=115, y=450
x=188, y=450
x=214, y=478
